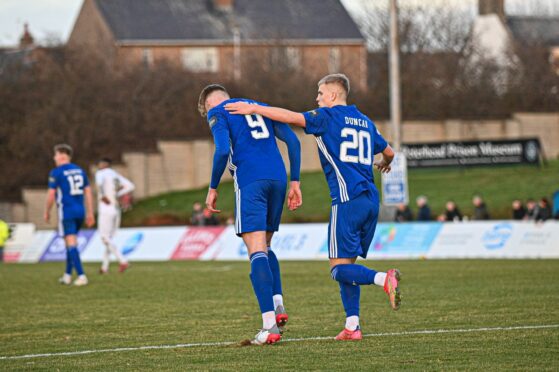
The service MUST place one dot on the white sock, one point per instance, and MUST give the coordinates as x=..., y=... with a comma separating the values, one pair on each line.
x=268, y=319
x=106, y=259
x=278, y=301
x=380, y=278
x=117, y=253
x=352, y=322
x=67, y=277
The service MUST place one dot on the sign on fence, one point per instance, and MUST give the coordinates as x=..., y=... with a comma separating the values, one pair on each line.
x=395, y=183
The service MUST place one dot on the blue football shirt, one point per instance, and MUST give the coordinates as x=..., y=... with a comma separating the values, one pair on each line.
x=347, y=142
x=69, y=181
x=254, y=153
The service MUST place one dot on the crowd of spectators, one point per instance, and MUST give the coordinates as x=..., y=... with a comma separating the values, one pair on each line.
x=202, y=216
x=530, y=211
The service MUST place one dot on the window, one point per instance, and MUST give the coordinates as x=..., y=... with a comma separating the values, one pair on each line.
x=147, y=57
x=293, y=57
x=200, y=59
x=334, y=59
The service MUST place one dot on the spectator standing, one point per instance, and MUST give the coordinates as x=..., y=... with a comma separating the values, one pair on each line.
x=480, y=209
x=543, y=211
x=197, y=216
x=531, y=210
x=423, y=210
x=403, y=213
x=518, y=210
x=452, y=213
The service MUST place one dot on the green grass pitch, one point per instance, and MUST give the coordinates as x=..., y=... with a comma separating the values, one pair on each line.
x=206, y=302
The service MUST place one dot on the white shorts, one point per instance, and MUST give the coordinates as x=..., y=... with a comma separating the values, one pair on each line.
x=108, y=224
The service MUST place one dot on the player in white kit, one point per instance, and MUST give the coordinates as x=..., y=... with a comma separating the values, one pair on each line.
x=110, y=186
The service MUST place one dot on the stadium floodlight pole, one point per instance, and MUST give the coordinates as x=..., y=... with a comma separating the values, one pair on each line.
x=394, y=64
x=236, y=53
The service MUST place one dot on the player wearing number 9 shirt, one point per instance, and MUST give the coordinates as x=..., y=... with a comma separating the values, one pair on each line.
x=347, y=142
x=69, y=185
x=247, y=144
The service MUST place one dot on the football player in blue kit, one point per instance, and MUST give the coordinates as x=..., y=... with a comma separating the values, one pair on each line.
x=68, y=184
x=247, y=145
x=347, y=142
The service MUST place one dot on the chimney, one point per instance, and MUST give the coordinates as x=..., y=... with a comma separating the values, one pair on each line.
x=26, y=39
x=223, y=5
x=486, y=7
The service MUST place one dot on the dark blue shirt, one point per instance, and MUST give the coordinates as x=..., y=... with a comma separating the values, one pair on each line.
x=69, y=181
x=248, y=144
x=347, y=142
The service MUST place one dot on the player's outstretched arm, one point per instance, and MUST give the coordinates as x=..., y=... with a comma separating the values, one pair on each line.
x=383, y=165
x=274, y=113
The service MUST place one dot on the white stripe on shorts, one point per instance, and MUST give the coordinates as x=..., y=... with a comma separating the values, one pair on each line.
x=333, y=239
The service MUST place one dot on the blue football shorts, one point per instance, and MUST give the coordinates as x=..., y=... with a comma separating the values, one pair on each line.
x=258, y=206
x=352, y=226
x=70, y=226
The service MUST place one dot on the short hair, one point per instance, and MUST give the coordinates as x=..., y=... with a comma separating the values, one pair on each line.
x=64, y=149
x=208, y=89
x=105, y=160
x=339, y=79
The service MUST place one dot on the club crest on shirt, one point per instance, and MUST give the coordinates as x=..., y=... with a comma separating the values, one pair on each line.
x=313, y=113
x=212, y=121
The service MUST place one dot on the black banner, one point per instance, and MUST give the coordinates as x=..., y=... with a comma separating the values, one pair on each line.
x=472, y=153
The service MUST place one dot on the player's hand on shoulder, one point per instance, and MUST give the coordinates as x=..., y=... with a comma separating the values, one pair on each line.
x=382, y=166
x=294, y=196
x=211, y=201
x=240, y=108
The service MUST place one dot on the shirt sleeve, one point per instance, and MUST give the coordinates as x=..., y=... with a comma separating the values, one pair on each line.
x=126, y=185
x=52, y=179
x=316, y=121
x=380, y=142
x=220, y=132
x=285, y=134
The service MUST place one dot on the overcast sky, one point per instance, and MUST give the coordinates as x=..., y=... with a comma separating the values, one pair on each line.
x=54, y=19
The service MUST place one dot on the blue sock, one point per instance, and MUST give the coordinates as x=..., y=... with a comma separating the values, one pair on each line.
x=262, y=282
x=75, y=257
x=68, y=263
x=353, y=274
x=350, y=298
x=276, y=275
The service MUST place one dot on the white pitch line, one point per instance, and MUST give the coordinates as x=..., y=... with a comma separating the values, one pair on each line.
x=229, y=343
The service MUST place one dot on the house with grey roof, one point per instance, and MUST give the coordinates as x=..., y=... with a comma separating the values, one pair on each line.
x=225, y=39
x=496, y=34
